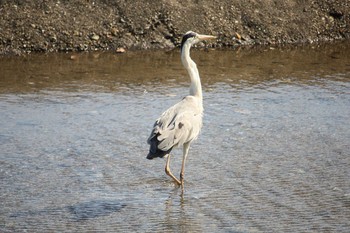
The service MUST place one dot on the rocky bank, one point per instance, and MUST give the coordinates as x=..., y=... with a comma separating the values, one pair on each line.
x=88, y=25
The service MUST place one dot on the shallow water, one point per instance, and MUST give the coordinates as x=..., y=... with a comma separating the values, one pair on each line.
x=273, y=155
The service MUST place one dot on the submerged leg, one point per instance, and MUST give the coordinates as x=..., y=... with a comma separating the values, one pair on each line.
x=168, y=172
x=185, y=153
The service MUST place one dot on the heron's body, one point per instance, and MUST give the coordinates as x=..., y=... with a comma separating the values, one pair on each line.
x=180, y=124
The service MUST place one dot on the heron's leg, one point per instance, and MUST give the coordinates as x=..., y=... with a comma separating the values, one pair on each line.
x=168, y=172
x=186, y=147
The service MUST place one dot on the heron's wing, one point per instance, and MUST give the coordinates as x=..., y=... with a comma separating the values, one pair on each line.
x=177, y=125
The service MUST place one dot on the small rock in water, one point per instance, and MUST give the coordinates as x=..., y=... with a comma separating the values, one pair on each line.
x=120, y=50
x=73, y=57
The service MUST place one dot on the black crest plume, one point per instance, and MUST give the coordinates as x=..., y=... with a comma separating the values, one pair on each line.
x=185, y=38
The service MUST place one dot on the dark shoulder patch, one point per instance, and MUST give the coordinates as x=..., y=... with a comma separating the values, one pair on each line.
x=180, y=125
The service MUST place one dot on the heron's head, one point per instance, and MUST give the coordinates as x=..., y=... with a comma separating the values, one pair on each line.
x=192, y=38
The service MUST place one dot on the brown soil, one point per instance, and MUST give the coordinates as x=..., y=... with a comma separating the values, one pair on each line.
x=86, y=25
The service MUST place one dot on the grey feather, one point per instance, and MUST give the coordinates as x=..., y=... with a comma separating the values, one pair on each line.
x=178, y=125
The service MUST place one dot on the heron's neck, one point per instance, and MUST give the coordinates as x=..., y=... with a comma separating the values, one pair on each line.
x=191, y=67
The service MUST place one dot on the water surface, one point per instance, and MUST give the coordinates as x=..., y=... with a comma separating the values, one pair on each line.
x=273, y=155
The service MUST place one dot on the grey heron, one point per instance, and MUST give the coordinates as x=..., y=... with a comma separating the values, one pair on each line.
x=180, y=124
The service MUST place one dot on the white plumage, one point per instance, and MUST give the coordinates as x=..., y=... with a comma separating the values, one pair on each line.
x=181, y=123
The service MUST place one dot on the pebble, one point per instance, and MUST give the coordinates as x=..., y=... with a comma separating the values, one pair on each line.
x=120, y=50
x=95, y=37
x=73, y=57
x=238, y=36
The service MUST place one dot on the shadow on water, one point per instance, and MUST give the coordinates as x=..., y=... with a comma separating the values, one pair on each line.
x=94, y=209
x=272, y=155
x=79, y=212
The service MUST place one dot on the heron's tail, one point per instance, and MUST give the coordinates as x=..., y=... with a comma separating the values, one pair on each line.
x=154, y=152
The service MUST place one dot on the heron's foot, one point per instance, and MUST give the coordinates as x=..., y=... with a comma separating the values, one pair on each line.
x=169, y=173
x=178, y=182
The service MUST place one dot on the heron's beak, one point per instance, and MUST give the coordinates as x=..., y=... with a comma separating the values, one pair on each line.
x=206, y=37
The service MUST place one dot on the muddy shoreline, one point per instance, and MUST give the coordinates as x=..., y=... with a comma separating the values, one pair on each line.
x=87, y=25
